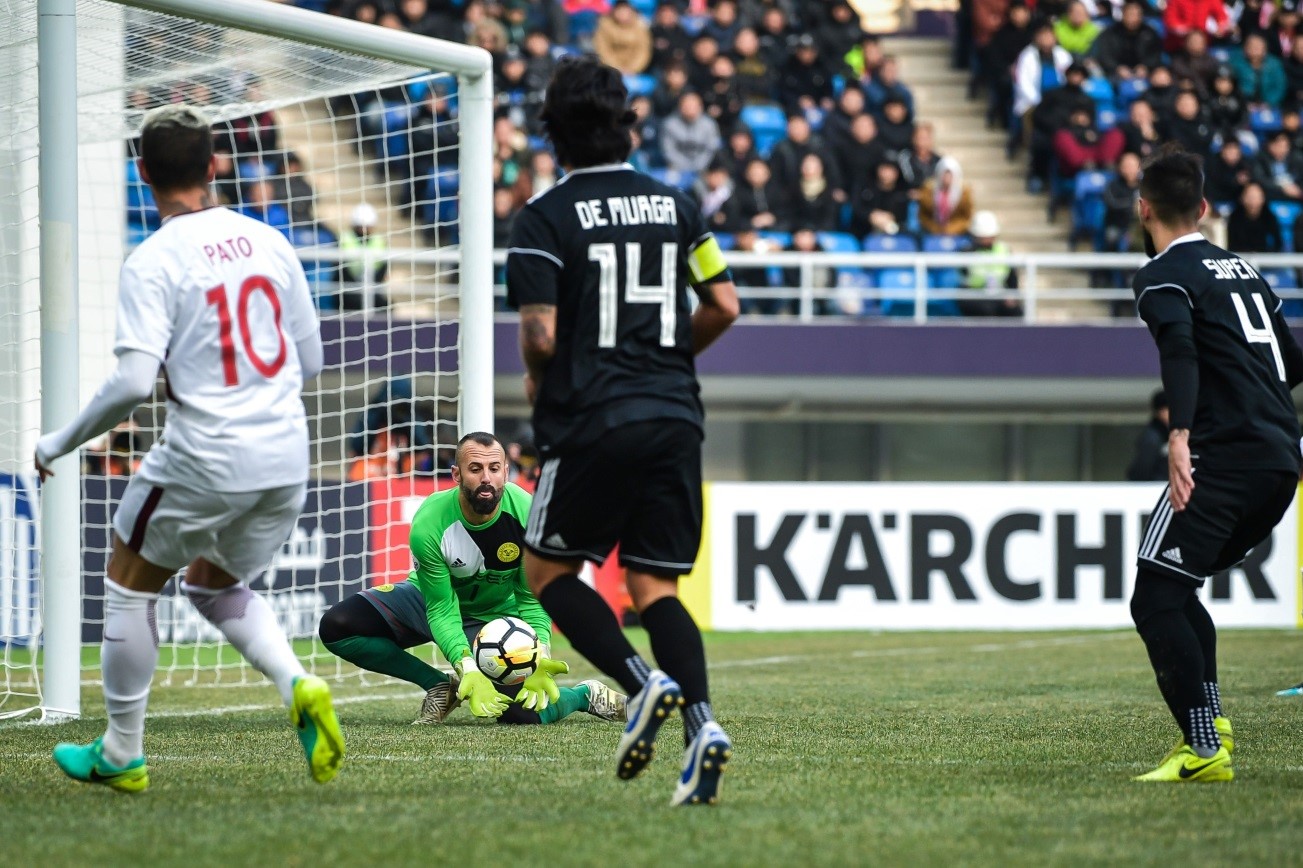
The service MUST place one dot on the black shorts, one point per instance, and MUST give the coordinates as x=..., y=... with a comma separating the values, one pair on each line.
x=1229, y=512
x=639, y=486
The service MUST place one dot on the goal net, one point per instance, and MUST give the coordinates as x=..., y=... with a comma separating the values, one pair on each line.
x=357, y=158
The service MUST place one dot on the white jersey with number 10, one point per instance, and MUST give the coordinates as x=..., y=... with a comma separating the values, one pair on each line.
x=221, y=300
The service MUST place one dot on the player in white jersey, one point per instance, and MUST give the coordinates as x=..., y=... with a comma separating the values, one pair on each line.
x=219, y=303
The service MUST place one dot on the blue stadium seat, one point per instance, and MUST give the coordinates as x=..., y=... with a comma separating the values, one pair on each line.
x=640, y=85
x=1286, y=213
x=675, y=178
x=1280, y=278
x=897, y=285
x=781, y=240
x=1264, y=120
x=849, y=296
x=1220, y=54
x=768, y=125
x=646, y=8
x=1101, y=91
x=1106, y=119
x=726, y=241
x=142, y=211
x=1088, y=208
x=1156, y=22
x=839, y=242
x=1129, y=90
x=943, y=243
x=890, y=244
x=582, y=25
x=947, y=277
x=694, y=23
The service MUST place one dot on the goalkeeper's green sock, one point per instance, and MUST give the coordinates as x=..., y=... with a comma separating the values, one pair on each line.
x=380, y=655
x=572, y=699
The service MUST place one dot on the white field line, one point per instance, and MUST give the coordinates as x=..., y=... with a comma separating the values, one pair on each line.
x=351, y=758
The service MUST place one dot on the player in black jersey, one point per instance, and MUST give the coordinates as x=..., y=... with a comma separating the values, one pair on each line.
x=1228, y=364
x=600, y=267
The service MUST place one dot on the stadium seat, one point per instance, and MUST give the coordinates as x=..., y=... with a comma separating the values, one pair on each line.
x=897, y=286
x=768, y=126
x=947, y=277
x=640, y=85
x=781, y=240
x=1129, y=90
x=1101, y=91
x=1286, y=213
x=850, y=295
x=583, y=24
x=1088, y=207
x=890, y=244
x=675, y=178
x=646, y=8
x=142, y=211
x=1106, y=119
x=694, y=23
x=1264, y=120
x=1220, y=54
x=839, y=242
x=726, y=241
x=1156, y=22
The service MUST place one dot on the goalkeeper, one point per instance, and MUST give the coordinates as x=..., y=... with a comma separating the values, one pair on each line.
x=466, y=547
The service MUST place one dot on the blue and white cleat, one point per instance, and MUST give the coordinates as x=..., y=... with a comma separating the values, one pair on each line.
x=1296, y=690
x=653, y=705
x=86, y=763
x=703, y=763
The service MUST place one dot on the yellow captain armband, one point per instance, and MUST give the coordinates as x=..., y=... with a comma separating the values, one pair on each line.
x=706, y=262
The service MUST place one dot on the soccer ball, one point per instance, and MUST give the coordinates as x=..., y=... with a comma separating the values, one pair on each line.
x=506, y=650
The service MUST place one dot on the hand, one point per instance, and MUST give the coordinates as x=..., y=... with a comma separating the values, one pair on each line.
x=539, y=689
x=1180, y=473
x=42, y=471
x=479, y=693
x=43, y=465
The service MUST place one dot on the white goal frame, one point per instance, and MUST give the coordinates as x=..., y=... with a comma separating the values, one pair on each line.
x=60, y=368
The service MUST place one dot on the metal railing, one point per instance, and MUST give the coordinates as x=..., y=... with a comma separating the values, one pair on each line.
x=1052, y=286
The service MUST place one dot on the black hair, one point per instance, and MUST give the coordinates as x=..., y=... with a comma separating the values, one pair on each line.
x=176, y=146
x=1158, y=401
x=585, y=113
x=1172, y=184
x=480, y=438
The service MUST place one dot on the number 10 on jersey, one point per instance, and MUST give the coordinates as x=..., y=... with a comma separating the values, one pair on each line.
x=608, y=280
x=216, y=297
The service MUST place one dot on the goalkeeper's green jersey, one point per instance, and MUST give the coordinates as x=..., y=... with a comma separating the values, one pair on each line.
x=472, y=572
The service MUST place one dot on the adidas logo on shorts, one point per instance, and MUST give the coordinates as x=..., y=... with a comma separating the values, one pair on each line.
x=1173, y=555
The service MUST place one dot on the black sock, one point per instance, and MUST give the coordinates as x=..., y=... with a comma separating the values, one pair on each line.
x=1177, y=658
x=1202, y=624
x=676, y=643
x=1201, y=734
x=590, y=625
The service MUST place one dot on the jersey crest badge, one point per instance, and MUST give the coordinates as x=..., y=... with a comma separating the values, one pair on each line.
x=508, y=552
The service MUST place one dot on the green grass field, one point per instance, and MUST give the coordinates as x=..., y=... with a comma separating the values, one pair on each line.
x=851, y=748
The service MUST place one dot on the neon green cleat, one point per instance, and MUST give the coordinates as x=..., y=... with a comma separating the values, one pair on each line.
x=313, y=716
x=1185, y=766
x=86, y=763
x=1224, y=731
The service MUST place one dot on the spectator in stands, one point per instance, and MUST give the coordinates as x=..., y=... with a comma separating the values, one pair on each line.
x=838, y=29
x=787, y=156
x=989, y=278
x=515, y=18
x=393, y=436
x=1252, y=16
x=774, y=34
x=363, y=262
x=755, y=277
x=670, y=89
x=1290, y=123
x=805, y=239
x=670, y=42
x=1226, y=174
x=511, y=151
x=895, y=128
x=504, y=215
x=837, y=123
x=704, y=51
x=1182, y=16
x=1129, y=48
x=723, y=24
x=1053, y=116
x=689, y=138
x=256, y=133
x=755, y=77
x=887, y=85
x=1161, y=93
x=858, y=160
x=1039, y=69
x=1140, y=132
x=226, y=180
x=1120, y=196
x=1195, y=63
x=1149, y=463
x=260, y=204
x=1293, y=66
x=1075, y=31
x=419, y=19
x=623, y=39
x=999, y=58
x=514, y=99
x=539, y=62
x=1260, y=76
x=805, y=82
x=296, y=191
x=713, y=190
x=490, y=35
x=945, y=203
x=1279, y=169
x=813, y=203
x=759, y=203
x=1286, y=28
x=542, y=172
x=919, y=162
x=1252, y=227
x=740, y=151
x=1189, y=124
x=724, y=98
x=883, y=206
x=1082, y=146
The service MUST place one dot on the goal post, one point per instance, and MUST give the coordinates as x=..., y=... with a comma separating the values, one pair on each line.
x=63, y=369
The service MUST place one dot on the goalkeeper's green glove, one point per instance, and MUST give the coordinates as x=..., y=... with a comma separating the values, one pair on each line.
x=478, y=691
x=539, y=689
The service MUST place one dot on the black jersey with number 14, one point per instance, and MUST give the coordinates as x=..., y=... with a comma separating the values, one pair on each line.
x=1244, y=416
x=615, y=252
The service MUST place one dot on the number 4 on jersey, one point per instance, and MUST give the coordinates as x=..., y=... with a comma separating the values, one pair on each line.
x=217, y=298
x=1255, y=335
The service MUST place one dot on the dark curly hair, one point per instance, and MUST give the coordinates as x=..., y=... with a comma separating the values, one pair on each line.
x=586, y=113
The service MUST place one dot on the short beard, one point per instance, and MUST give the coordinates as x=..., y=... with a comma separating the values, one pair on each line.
x=478, y=506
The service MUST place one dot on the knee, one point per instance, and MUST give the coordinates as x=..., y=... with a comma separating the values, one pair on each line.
x=333, y=626
x=1155, y=594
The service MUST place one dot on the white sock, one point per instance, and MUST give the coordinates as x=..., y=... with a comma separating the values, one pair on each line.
x=128, y=657
x=249, y=624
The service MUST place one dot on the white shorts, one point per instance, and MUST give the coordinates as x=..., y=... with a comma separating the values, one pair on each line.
x=240, y=532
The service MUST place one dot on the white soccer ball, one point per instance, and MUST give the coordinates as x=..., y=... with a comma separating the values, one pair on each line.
x=506, y=650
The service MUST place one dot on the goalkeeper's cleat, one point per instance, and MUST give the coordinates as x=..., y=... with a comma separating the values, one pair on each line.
x=653, y=705
x=440, y=700
x=86, y=763
x=1296, y=690
x=703, y=764
x=604, y=702
x=1224, y=732
x=1185, y=766
x=313, y=717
